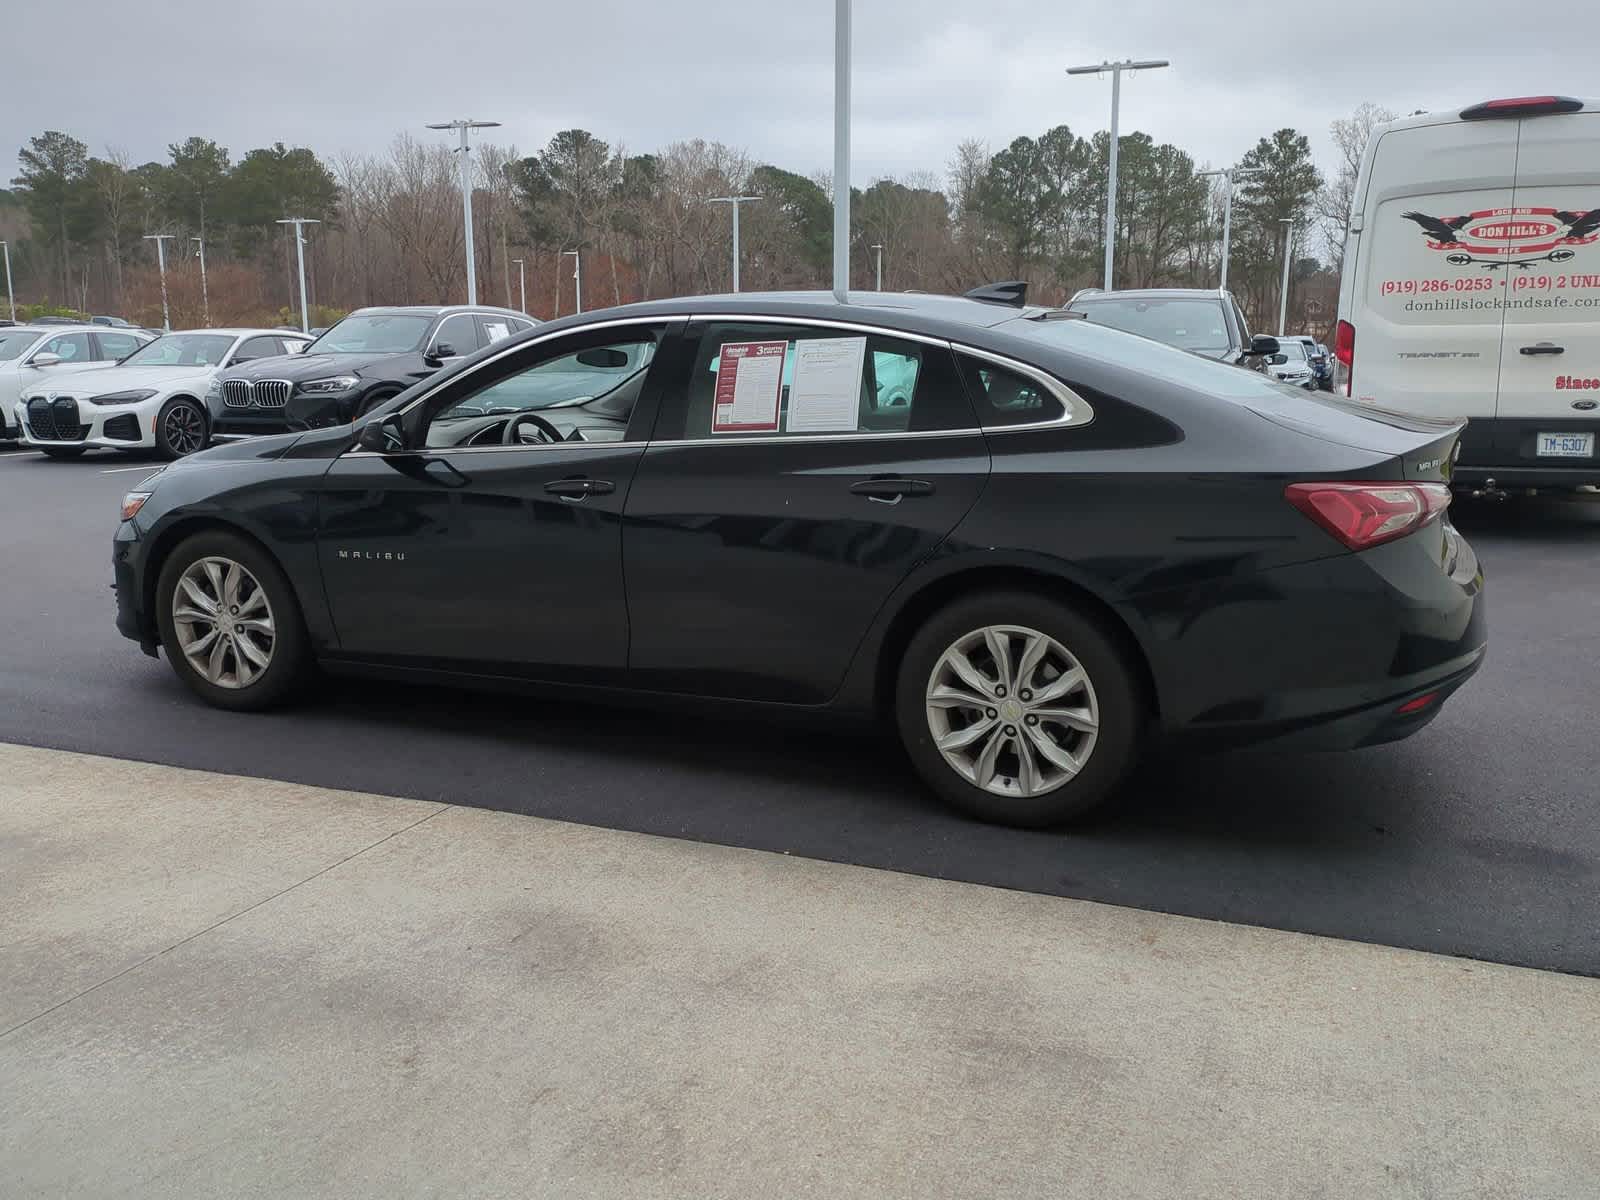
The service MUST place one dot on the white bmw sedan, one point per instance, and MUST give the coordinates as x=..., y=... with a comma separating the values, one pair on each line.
x=153, y=399
x=31, y=355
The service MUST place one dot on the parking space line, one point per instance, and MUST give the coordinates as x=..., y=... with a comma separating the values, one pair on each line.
x=147, y=467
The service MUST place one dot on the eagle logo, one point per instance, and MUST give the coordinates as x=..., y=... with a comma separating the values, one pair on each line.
x=1508, y=237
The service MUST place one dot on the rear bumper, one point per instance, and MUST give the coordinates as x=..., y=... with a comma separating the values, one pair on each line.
x=1321, y=655
x=1505, y=449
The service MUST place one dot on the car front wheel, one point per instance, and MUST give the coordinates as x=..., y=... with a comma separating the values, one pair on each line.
x=181, y=428
x=229, y=622
x=1018, y=709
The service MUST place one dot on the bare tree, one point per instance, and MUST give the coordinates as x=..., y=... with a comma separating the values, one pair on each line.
x=1335, y=198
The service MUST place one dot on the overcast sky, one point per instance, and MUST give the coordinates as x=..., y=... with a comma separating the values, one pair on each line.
x=340, y=75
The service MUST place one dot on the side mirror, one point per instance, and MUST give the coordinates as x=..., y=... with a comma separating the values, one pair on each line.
x=1261, y=345
x=44, y=359
x=382, y=437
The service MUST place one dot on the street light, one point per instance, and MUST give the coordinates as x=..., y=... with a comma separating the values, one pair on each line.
x=160, y=239
x=1116, y=69
x=1229, y=174
x=465, y=126
x=577, y=274
x=841, y=150
x=1283, y=292
x=205, y=294
x=735, y=201
x=10, y=295
x=299, y=224
x=522, y=283
x=878, y=246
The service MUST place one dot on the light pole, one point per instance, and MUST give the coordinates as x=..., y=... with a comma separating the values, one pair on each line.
x=160, y=239
x=1116, y=69
x=1229, y=174
x=1283, y=292
x=465, y=126
x=10, y=295
x=841, y=150
x=522, y=283
x=299, y=224
x=878, y=248
x=577, y=274
x=205, y=294
x=735, y=202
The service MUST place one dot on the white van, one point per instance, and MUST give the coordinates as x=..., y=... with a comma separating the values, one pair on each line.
x=1471, y=284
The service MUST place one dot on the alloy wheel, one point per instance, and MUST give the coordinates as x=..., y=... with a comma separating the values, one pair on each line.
x=184, y=429
x=224, y=622
x=1012, y=710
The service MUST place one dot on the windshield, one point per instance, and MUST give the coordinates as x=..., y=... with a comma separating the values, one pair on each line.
x=182, y=350
x=376, y=334
x=1196, y=324
x=14, y=343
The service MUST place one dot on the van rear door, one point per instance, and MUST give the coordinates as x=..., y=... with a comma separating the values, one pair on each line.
x=1426, y=307
x=1550, y=367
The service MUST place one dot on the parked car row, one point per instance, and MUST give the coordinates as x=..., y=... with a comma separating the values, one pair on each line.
x=65, y=390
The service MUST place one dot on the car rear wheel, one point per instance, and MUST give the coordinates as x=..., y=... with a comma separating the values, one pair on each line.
x=182, y=428
x=229, y=622
x=1018, y=709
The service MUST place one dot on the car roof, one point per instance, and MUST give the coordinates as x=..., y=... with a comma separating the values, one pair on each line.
x=910, y=309
x=1452, y=116
x=239, y=331
x=1151, y=294
x=435, y=310
x=53, y=329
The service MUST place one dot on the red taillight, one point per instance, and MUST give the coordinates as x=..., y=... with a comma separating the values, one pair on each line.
x=1521, y=106
x=1344, y=355
x=1367, y=514
x=1416, y=705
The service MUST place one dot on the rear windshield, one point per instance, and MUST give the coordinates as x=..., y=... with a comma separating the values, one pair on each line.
x=1189, y=324
x=1150, y=358
x=13, y=344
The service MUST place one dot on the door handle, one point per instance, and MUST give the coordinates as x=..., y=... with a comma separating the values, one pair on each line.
x=891, y=490
x=575, y=490
x=1543, y=348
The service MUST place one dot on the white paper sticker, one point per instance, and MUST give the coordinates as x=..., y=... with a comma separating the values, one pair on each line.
x=496, y=330
x=825, y=396
x=749, y=385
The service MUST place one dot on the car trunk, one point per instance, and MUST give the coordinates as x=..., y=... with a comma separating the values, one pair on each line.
x=1423, y=448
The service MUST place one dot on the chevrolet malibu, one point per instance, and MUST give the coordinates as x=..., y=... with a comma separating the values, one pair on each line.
x=1035, y=545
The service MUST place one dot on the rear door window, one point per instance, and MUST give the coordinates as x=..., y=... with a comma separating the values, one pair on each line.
x=116, y=346
x=770, y=380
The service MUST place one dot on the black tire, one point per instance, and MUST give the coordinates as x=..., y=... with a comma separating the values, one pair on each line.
x=290, y=658
x=63, y=451
x=180, y=420
x=1123, y=712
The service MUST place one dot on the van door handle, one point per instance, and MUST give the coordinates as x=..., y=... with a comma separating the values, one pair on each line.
x=1543, y=348
x=891, y=490
x=579, y=489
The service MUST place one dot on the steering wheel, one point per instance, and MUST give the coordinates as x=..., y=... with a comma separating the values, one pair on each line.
x=547, y=431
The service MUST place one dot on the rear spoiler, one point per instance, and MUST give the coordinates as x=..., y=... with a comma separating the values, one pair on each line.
x=1521, y=106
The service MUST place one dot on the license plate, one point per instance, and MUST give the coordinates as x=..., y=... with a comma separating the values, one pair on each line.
x=1566, y=445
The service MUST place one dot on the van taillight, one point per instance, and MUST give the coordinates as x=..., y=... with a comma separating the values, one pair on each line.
x=1344, y=355
x=1521, y=106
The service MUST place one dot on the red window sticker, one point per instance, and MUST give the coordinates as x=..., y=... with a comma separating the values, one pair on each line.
x=749, y=387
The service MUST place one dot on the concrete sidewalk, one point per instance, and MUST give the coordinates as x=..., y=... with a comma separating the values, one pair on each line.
x=215, y=986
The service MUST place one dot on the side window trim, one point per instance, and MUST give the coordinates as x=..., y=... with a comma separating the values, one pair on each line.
x=1077, y=410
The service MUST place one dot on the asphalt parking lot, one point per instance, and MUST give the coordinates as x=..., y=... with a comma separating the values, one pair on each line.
x=1479, y=837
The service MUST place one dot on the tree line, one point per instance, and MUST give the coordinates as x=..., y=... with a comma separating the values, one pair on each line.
x=390, y=228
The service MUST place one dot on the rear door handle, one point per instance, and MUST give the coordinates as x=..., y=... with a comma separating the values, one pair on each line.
x=579, y=489
x=1543, y=348
x=891, y=490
